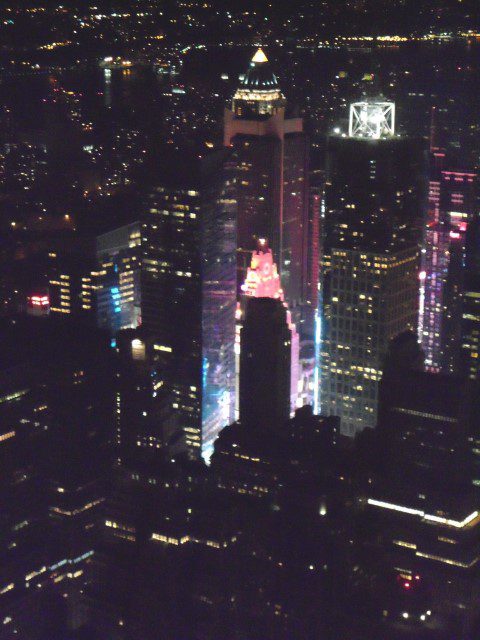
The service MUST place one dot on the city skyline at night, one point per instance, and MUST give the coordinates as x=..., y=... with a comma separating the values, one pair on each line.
x=239, y=320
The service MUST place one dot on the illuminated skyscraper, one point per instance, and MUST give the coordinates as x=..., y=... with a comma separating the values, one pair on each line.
x=470, y=355
x=373, y=228
x=263, y=281
x=189, y=294
x=272, y=157
x=470, y=323
x=451, y=208
x=98, y=278
x=116, y=280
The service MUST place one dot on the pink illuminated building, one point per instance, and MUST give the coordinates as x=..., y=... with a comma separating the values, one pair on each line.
x=451, y=208
x=263, y=281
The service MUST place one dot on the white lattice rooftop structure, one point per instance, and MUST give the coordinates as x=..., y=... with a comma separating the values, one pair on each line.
x=373, y=119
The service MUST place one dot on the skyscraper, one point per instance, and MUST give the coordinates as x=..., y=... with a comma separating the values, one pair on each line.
x=272, y=159
x=373, y=227
x=263, y=281
x=189, y=294
x=117, y=278
x=470, y=323
x=98, y=278
x=470, y=327
x=451, y=208
x=265, y=364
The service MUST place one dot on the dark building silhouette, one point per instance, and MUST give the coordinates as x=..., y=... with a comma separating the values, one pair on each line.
x=265, y=341
x=426, y=422
x=56, y=420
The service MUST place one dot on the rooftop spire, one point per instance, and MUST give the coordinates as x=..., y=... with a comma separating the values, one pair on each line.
x=259, y=95
x=259, y=57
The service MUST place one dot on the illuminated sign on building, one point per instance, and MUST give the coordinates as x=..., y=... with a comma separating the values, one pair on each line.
x=263, y=280
x=38, y=304
x=39, y=301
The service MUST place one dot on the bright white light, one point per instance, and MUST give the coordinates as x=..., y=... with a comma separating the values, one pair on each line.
x=405, y=615
x=395, y=507
x=423, y=617
x=417, y=512
x=452, y=523
x=259, y=57
x=372, y=119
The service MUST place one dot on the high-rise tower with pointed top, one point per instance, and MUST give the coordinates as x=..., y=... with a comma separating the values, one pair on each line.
x=272, y=152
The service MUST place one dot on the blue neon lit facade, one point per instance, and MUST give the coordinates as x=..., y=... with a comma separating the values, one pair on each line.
x=117, y=279
x=219, y=289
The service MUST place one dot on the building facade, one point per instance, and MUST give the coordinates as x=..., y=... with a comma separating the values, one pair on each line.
x=272, y=155
x=117, y=278
x=189, y=295
x=263, y=281
x=451, y=208
x=372, y=236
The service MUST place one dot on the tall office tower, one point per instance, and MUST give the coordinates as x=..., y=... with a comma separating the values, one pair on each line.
x=310, y=351
x=189, y=293
x=451, y=208
x=372, y=236
x=99, y=278
x=140, y=429
x=265, y=341
x=272, y=155
x=470, y=356
x=470, y=324
x=263, y=281
x=116, y=278
x=433, y=260
x=315, y=248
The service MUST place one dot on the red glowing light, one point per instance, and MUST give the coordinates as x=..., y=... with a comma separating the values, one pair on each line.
x=40, y=301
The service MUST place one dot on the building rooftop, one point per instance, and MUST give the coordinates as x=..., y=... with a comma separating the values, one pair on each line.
x=260, y=75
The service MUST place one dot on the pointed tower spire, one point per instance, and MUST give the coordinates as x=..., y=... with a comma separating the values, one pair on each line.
x=259, y=95
x=259, y=57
